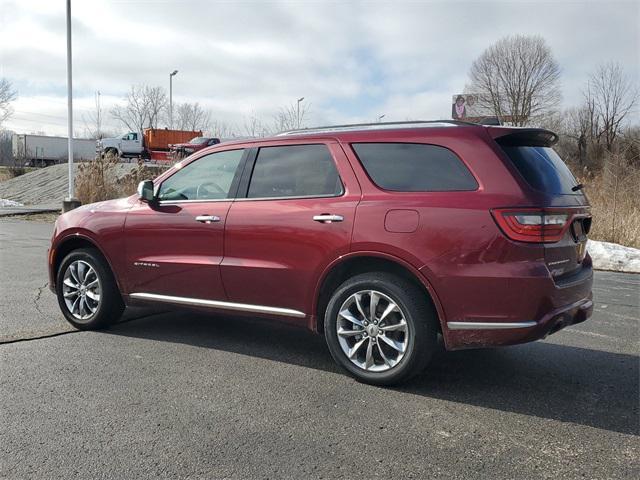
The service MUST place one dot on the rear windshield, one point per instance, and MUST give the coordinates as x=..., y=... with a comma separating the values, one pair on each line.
x=543, y=169
x=414, y=167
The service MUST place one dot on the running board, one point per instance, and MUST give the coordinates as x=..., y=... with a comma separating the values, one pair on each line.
x=197, y=302
x=489, y=325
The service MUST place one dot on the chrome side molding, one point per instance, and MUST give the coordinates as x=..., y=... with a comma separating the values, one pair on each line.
x=489, y=325
x=198, y=302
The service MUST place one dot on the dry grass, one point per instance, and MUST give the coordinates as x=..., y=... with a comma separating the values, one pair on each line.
x=9, y=172
x=614, y=195
x=98, y=180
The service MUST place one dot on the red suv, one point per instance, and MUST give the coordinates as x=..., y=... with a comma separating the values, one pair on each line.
x=381, y=236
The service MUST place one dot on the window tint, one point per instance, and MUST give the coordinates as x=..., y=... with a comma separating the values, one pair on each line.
x=294, y=171
x=208, y=178
x=543, y=169
x=413, y=167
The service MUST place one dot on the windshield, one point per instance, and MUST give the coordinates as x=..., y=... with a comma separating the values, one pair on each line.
x=543, y=169
x=198, y=140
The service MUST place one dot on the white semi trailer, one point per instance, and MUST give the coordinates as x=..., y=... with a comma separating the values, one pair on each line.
x=42, y=151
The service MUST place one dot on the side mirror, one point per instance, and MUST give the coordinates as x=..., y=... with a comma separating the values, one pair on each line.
x=145, y=191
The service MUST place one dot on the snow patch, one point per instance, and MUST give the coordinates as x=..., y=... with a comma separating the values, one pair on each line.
x=9, y=203
x=611, y=256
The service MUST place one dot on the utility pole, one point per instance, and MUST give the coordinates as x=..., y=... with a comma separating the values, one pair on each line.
x=171, y=75
x=298, y=112
x=70, y=202
x=98, y=116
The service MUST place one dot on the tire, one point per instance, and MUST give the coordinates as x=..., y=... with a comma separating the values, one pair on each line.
x=114, y=152
x=86, y=266
x=417, y=339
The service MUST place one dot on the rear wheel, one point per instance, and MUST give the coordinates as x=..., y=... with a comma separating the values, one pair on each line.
x=87, y=292
x=380, y=328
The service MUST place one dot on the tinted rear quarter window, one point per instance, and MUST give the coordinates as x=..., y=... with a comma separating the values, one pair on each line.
x=414, y=167
x=543, y=169
x=294, y=171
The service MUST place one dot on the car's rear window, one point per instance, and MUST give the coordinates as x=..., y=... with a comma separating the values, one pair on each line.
x=414, y=167
x=543, y=169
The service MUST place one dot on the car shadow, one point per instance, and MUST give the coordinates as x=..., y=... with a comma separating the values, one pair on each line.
x=542, y=379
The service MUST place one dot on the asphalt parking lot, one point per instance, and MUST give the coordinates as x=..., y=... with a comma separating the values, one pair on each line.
x=179, y=395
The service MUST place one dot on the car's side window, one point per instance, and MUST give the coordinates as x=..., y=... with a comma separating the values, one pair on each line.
x=294, y=171
x=414, y=167
x=208, y=178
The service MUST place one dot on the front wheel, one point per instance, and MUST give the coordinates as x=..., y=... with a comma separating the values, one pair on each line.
x=87, y=292
x=380, y=328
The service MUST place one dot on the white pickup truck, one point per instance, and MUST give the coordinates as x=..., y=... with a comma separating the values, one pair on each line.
x=128, y=145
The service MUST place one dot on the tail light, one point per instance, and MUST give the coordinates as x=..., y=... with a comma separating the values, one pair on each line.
x=532, y=225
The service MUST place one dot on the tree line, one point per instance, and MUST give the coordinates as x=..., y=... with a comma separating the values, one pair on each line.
x=145, y=106
x=518, y=80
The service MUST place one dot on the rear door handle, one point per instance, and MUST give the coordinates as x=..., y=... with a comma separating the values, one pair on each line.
x=327, y=218
x=207, y=218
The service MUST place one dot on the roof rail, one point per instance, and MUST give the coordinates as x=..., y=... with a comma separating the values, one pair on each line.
x=376, y=126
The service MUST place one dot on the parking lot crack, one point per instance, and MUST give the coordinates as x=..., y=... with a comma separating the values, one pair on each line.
x=36, y=299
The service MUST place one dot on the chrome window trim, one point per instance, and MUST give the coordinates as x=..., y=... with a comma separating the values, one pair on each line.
x=489, y=325
x=210, y=200
x=298, y=197
x=198, y=302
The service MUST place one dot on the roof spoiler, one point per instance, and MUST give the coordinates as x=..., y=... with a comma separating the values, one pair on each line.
x=529, y=137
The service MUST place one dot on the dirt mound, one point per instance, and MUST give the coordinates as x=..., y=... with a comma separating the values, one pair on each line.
x=45, y=186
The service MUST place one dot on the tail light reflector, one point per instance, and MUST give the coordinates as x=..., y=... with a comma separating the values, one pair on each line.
x=532, y=225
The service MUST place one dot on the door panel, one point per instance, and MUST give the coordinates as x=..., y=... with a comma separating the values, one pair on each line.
x=169, y=252
x=275, y=251
x=175, y=246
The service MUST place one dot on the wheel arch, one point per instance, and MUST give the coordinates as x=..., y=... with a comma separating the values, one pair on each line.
x=361, y=262
x=69, y=244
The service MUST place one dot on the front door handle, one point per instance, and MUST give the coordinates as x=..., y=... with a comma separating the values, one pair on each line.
x=327, y=218
x=207, y=218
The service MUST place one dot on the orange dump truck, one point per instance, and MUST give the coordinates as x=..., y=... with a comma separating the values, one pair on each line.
x=161, y=139
x=153, y=143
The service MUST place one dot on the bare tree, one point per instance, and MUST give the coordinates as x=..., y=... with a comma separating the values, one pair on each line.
x=93, y=120
x=610, y=97
x=156, y=102
x=7, y=95
x=6, y=152
x=144, y=107
x=134, y=113
x=577, y=126
x=220, y=129
x=191, y=116
x=517, y=79
x=254, y=127
x=291, y=117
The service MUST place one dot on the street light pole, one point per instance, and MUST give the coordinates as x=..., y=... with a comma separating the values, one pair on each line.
x=298, y=112
x=381, y=117
x=171, y=75
x=70, y=202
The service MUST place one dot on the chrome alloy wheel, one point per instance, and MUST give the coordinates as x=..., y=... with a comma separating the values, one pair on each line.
x=81, y=289
x=372, y=331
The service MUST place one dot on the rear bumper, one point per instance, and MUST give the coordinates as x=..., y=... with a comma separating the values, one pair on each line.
x=484, y=334
x=518, y=310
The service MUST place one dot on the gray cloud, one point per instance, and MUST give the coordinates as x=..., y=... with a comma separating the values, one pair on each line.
x=352, y=61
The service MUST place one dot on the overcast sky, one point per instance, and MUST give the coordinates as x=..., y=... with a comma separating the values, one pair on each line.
x=352, y=61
